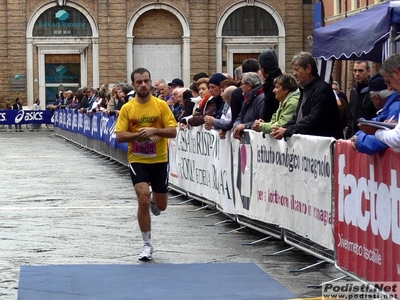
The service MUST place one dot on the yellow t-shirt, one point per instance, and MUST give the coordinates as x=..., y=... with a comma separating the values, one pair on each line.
x=135, y=115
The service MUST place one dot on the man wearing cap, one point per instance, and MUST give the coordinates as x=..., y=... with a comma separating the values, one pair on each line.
x=176, y=83
x=176, y=107
x=390, y=71
x=360, y=105
x=269, y=68
x=388, y=105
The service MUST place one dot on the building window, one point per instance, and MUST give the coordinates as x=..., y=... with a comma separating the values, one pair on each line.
x=62, y=21
x=250, y=21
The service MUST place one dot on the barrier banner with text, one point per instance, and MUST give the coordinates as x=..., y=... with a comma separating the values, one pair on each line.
x=11, y=117
x=200, y=163
x=286, y=183
x=96, y=126
x=367, y=214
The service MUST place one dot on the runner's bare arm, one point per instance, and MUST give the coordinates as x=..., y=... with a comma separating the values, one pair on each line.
x=126, y=136
x=167, y=132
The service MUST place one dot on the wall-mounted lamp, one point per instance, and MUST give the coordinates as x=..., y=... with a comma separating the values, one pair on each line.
x=310, y=40
x=61, y=2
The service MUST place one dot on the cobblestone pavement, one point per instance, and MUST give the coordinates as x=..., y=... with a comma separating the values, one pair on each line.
x=61, y=204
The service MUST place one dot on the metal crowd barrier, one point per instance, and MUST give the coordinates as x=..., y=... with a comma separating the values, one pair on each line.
x=302, y=240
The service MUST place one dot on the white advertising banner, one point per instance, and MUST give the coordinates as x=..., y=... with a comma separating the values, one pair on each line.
x=286, y=183
x=173, y=165
x=201, y=163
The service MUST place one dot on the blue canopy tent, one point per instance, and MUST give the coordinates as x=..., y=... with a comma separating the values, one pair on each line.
x=368, y=35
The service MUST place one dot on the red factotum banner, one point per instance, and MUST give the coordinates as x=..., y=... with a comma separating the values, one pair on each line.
x=367, y=213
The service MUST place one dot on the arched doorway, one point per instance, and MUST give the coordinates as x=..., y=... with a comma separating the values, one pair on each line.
x=166, y=51
x=60, y=37
x=245, y=30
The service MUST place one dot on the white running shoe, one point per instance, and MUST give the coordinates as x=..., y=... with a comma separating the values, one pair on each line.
x=147, y=252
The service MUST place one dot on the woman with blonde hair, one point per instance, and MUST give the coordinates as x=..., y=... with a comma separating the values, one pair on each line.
x=114, y=99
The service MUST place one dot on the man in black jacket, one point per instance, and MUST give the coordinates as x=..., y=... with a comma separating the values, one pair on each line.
x=360, y=103
x=17, y=106
x=317, y=112
x=87, y=101
x=253, y=103
x=269, y=68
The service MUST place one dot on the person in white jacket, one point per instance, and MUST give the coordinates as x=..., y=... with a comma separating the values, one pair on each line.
x=390, y=137
x=36, y=106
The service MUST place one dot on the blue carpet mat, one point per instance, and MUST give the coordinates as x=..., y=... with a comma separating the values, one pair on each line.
x=149, y=281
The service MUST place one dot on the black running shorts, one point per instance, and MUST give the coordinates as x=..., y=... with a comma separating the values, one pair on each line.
x=155, y=174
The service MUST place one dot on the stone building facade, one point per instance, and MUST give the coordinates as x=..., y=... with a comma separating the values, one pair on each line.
x=63, y=44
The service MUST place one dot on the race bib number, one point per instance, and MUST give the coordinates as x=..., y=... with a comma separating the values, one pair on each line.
x=147, y=148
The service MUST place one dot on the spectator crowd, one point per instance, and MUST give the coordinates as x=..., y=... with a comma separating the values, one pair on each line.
x=262, y=98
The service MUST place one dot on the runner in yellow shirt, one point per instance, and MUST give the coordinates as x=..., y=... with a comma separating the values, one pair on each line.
x=146, y=123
